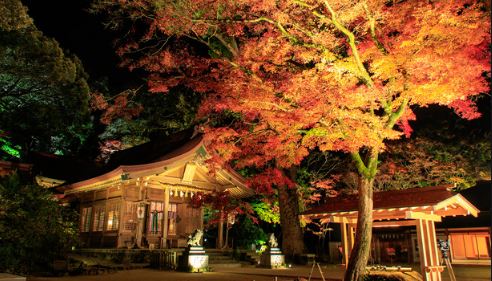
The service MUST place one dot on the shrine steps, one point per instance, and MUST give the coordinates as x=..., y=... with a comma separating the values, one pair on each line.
x=221, y=258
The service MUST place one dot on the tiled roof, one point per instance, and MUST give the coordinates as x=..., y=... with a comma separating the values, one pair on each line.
x=413, y=197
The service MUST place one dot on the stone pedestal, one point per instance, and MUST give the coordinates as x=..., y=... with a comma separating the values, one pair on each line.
x=194, y=259
x=272, y=258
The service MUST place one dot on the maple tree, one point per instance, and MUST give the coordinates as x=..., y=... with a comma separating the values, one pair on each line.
x=286, y=77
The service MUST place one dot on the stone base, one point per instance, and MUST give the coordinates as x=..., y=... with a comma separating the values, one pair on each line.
x=194, y=259
x=272, y=258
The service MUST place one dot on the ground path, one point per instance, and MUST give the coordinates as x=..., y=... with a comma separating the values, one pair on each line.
x=331, y=272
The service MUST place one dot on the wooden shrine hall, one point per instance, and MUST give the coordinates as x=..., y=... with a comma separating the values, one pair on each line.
x=144, y=199
x=419, y=207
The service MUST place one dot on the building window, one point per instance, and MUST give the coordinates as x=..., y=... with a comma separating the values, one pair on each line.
x=85, y=219
x=98, y=224
x=113, y=216
x=129, y=216
x=470, y=246
x=155, y=217
x=172, y=216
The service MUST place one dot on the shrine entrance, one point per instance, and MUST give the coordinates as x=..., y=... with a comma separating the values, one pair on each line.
x=416, y=207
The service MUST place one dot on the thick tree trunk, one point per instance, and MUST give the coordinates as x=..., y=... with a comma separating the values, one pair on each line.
x=292, y=236
x=362, y=247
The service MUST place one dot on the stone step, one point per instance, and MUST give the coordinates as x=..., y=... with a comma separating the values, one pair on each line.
x=218, y=252
x=222, y=261
x=222, y=265
x=219, y=258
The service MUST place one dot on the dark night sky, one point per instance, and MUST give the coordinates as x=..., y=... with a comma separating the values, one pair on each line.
x=69, y=22
x=83, y=34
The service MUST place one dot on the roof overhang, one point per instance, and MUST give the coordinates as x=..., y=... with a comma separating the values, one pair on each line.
x=156, y=174
x=452, y=206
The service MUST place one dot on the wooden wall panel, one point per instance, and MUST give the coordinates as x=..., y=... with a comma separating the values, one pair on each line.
x=155, y=194
x=131, y=193
x=86, y=196
x=101, y=194
x=114, y=192
x=190, y=219
x=182, y=220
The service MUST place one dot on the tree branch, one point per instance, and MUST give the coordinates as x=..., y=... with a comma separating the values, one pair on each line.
x=393, y=118
x=372, y=27
x=234, y=51
x=359, y=164
x=351, y=37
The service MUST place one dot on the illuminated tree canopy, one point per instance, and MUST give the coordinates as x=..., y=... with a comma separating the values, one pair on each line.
x=298, y=75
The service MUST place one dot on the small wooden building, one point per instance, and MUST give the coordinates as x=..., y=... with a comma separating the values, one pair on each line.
x=470, y=237
x=147, y=205
x=418, y=208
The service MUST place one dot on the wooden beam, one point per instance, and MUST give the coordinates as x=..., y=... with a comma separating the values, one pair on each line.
x=451, y=212
x=394, y=223
x=422, y=216
x=458, y=199
x=337, y=219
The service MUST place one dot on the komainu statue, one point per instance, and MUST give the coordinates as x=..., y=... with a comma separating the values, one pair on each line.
x=195, y=239
x=272, y=241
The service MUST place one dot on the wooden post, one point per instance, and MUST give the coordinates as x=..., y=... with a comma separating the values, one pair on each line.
x=165, y=223
x=226, y=244
x=345, y=244
x=351, y=237
x=429, y=259
x=121, y=223
x=201, y=217
x=434, y=251
x=220, y=240
x=422, y=248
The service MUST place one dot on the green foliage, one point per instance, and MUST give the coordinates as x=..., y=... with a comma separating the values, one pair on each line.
x=209, y=214
x=267, y=212
x=247, y=233
x=43, y=90
x=7, y=147
x=34, y=229
x=162, y=115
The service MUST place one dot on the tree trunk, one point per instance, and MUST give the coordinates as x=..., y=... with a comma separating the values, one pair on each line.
x=360, y=253
x=292, y=236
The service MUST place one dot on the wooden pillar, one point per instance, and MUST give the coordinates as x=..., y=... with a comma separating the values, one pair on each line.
x=345, y=244
x=121, y=223
x=434, y=251
x=351, y=237
x=201, y=217
x=428, y=252
x=165, y=223
x=140, y=223
x=220, y=241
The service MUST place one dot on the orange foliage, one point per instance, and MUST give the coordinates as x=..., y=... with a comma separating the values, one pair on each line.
x=306, y=74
